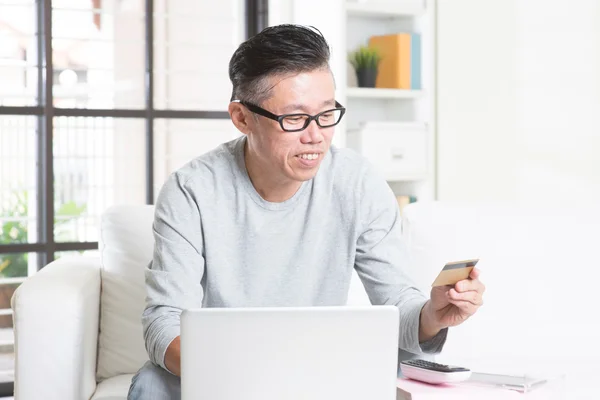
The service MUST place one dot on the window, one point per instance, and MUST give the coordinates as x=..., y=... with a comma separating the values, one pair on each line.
x=98, y=104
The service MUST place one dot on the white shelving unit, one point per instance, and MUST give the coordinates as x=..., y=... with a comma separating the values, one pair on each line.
x=408, y=159
x=388, y=9
x=394, y=128
x=372, y=93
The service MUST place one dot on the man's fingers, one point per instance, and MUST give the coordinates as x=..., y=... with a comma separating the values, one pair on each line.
x=469, y=284
x=467, y=295
x=471, y=296
x=465, y=306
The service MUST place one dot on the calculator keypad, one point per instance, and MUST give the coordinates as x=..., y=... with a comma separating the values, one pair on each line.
x=430, y=365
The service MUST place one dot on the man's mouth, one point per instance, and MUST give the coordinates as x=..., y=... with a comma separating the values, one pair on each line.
x=308, y=156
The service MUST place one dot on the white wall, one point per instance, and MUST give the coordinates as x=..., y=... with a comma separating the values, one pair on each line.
x=519, y=100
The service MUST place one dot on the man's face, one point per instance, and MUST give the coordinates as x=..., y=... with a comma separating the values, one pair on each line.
x=293, y=156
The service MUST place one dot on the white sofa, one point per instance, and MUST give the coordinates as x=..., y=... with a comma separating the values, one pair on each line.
x=77, y=322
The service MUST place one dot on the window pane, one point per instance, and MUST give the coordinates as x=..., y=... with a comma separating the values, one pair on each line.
x=177, y=141
x=98, y=53
x=14, y=267
x=18, y=194
x=193, y=42
x=7, y=340
x=18, y=53
x=7, y=353
x=98, y=162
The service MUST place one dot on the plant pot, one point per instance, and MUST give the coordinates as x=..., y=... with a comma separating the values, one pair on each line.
x=366, y=77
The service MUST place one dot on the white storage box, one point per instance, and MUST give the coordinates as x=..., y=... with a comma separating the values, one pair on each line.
x=397, y=149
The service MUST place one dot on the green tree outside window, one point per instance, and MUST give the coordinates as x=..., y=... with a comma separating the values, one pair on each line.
x=16, y=231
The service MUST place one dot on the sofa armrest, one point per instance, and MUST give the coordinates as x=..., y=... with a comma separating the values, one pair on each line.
x=55, y=315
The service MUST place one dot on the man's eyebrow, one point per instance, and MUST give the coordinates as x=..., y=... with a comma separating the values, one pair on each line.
x=302, y=107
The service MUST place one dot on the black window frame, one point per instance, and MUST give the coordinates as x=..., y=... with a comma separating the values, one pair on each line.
x=256, y=16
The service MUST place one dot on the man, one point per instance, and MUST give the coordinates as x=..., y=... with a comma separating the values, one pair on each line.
x=278, y=218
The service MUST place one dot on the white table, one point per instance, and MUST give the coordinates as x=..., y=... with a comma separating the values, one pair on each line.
x=413, y=390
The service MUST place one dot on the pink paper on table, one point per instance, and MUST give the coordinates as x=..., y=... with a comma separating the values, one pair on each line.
x=409, y=389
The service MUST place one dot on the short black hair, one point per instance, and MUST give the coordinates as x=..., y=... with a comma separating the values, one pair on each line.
x=276, y=50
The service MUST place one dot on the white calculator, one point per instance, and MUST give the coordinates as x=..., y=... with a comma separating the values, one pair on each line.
x=431, y=372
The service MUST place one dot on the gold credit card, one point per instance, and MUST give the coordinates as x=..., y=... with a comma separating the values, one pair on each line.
x=454, y=272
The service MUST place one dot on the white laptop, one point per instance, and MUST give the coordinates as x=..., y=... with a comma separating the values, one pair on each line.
x=316, y=353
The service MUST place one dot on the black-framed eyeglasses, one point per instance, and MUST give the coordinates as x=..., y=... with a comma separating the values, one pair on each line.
x=298, y=121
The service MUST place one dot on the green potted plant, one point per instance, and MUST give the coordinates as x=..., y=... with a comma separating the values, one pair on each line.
x=365, y=61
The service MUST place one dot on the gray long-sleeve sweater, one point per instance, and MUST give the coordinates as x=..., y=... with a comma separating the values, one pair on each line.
x=218, y=243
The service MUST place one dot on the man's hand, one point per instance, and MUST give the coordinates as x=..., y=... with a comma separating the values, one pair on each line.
x=450, y=306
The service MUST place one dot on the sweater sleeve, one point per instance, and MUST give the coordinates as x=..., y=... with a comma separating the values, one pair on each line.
x=173, y=277
x=381, y=261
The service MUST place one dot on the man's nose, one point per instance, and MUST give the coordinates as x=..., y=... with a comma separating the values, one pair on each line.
x=312, y=133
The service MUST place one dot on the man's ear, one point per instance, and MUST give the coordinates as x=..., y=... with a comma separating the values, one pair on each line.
x=240, y=117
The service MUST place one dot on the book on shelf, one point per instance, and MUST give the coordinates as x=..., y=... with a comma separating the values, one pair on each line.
x=400, y=67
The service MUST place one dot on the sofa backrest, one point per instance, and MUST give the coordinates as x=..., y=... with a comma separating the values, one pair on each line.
x=126, y=247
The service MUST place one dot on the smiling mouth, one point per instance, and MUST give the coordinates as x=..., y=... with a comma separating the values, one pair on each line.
x=308, y=156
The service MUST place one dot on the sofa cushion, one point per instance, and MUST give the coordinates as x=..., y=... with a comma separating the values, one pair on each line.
x=126, y=246
x=115, y=388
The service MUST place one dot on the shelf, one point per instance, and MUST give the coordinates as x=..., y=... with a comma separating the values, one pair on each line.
x=381, y=9
x=374, y=93
x=405, y=178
